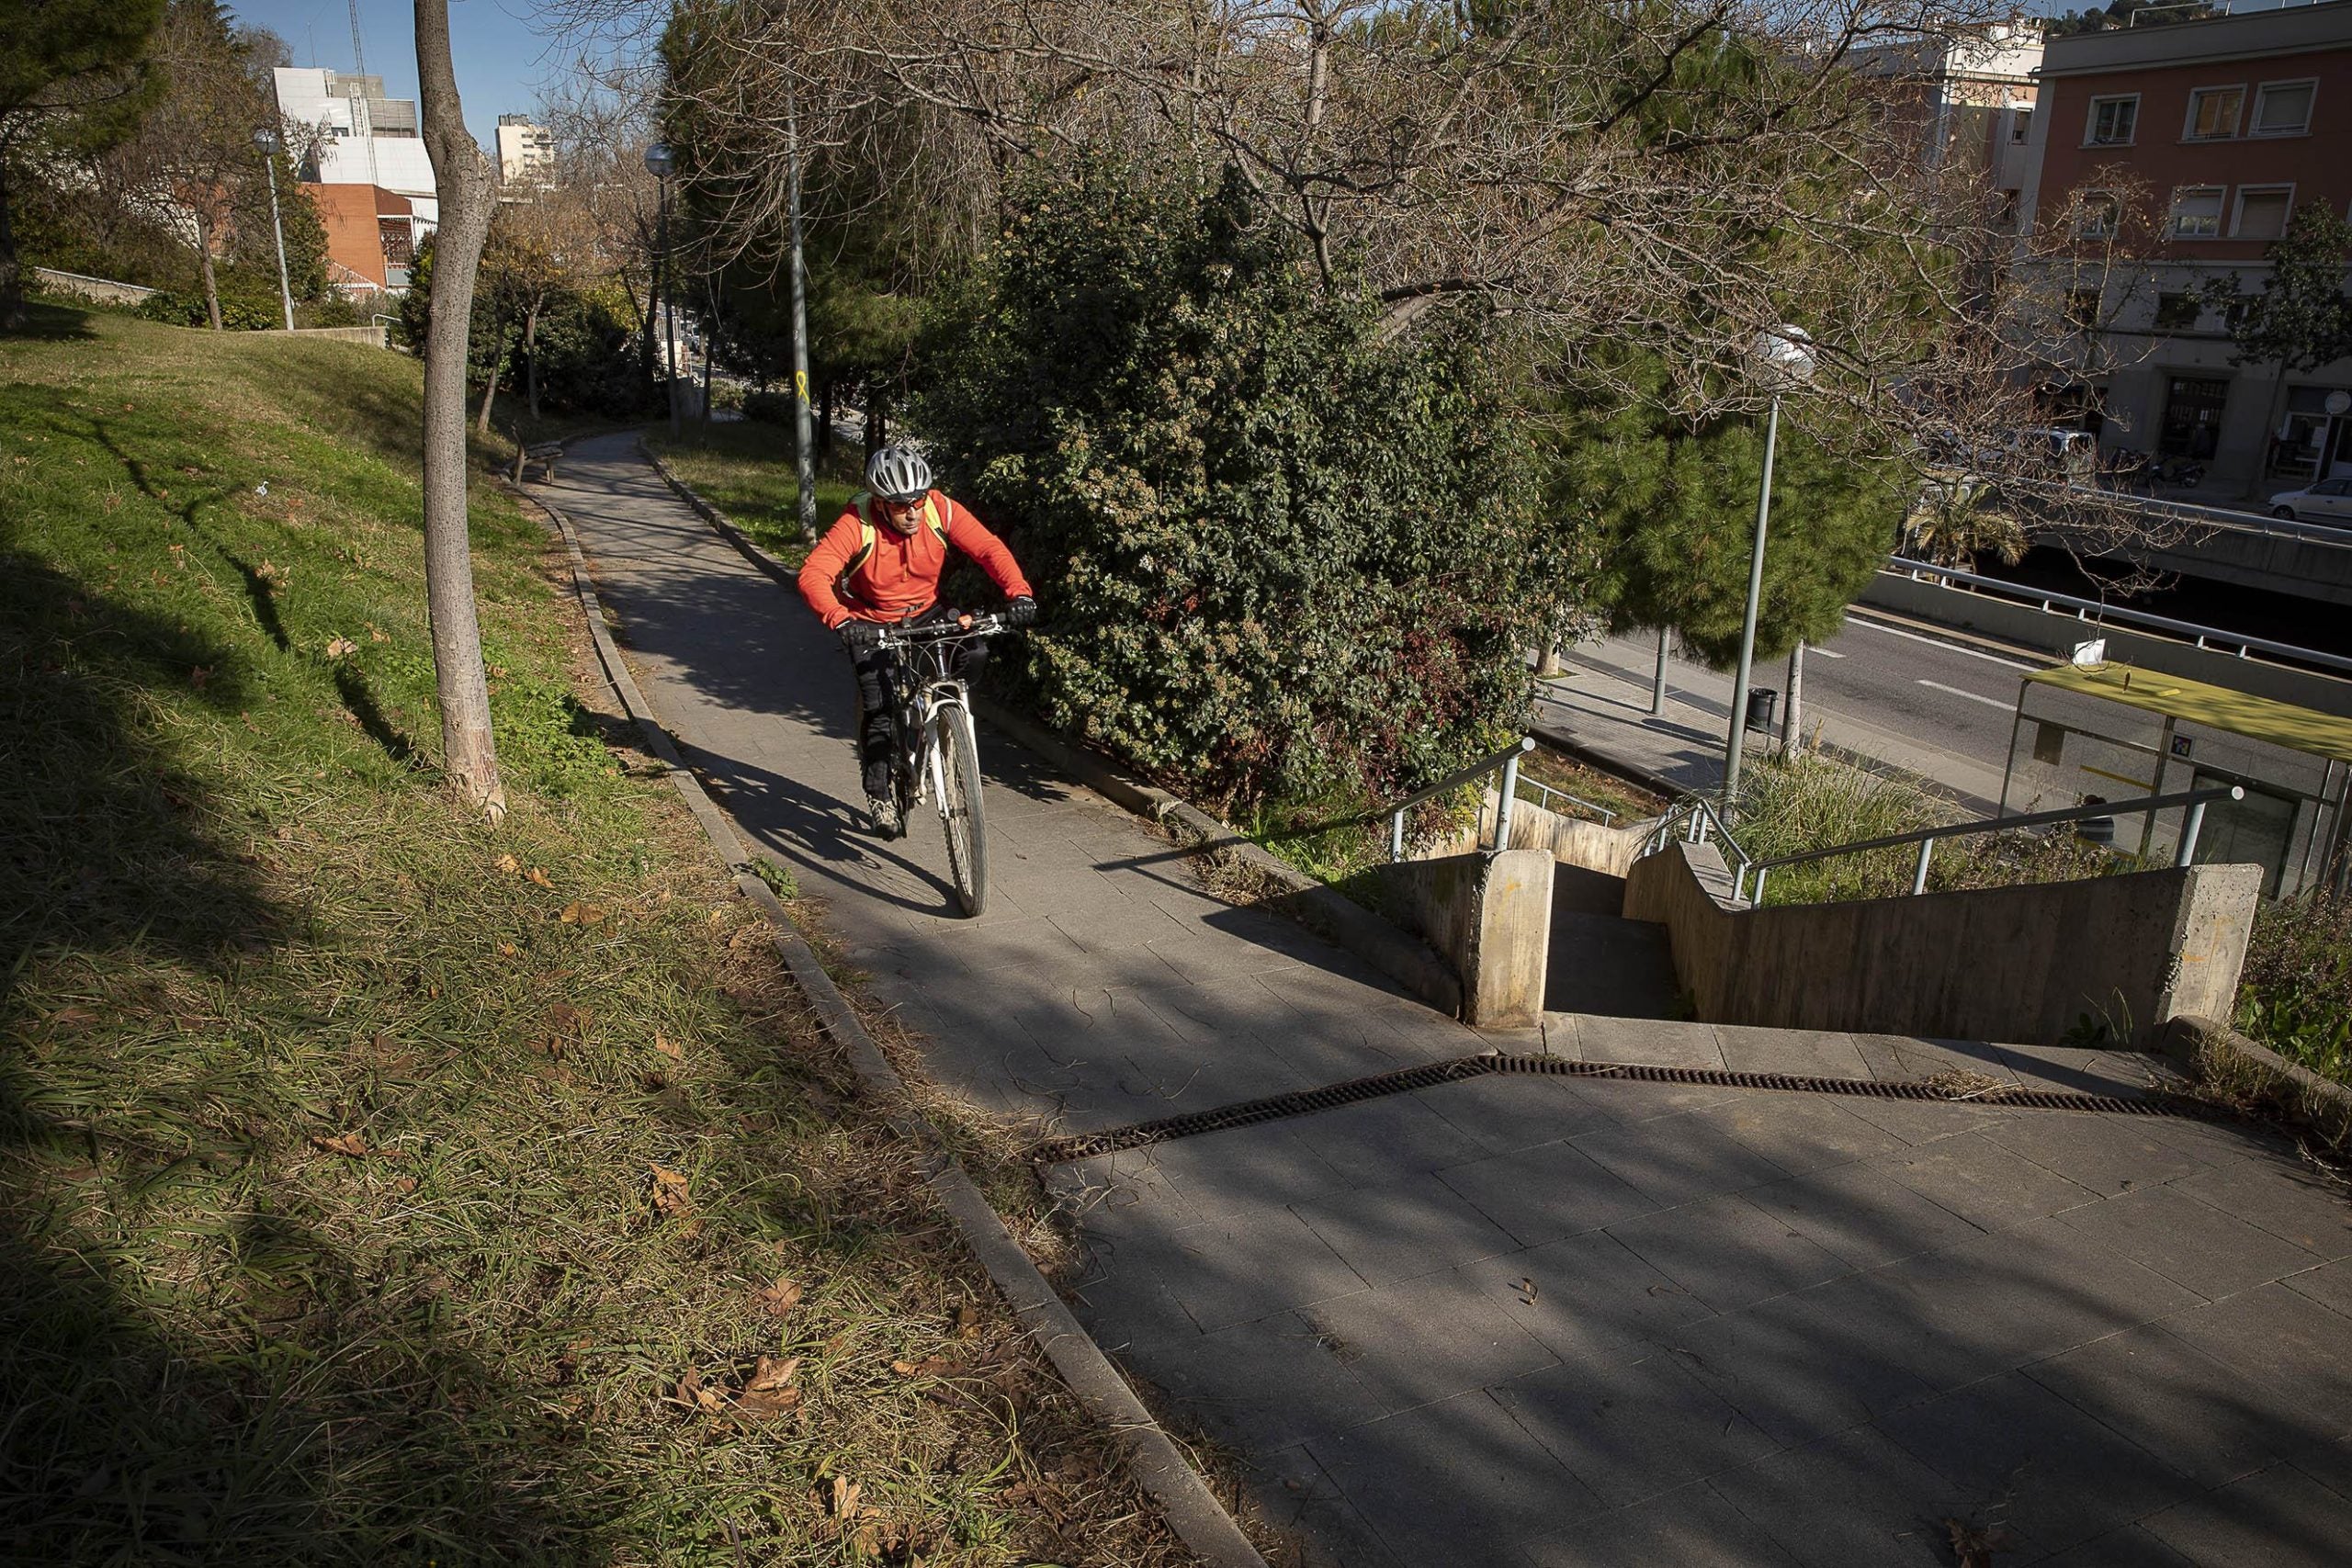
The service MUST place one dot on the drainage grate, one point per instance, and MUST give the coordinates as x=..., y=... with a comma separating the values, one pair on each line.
x=1305, y=1102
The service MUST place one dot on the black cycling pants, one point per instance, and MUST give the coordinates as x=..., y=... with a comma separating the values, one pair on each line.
x=874, y=718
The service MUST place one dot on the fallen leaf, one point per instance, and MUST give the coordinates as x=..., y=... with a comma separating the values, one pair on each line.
x=198, y=676
x=352, y=1144
x=669, y=1047
x=1973, y=1548
x=404, y=1184
x=340, y=647
x=509, y=864
x=582, y=914
x=692, y=1393
x=767, y=1405
x=1527, y=1292
x=904, y=1368
x=967, y=1320
x=772, y=1375
x=669, y=1194
x=565, y=1017
x=247, y=717
x=780, y=1298
x=507, y=950
x=535, y=875
x=845, y=1493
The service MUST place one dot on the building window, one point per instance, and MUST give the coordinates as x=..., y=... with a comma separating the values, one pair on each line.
x=2020, y=124
x=2177, y=312
x=2213, y=113
x=2082, y=308
x=2095, y=215
x=2112, y=121
x=2283, y=109
x=2196, y=212
x=2262, y=212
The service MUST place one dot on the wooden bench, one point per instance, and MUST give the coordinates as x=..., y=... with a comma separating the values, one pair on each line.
x=545, y=453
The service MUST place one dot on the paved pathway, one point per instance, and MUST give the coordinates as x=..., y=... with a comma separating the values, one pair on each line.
x=1527, y=1320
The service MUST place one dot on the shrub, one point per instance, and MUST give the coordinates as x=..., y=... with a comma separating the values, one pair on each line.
x=239, y=312
x=769, y=408
x=2296, y=994
x=1282, y=557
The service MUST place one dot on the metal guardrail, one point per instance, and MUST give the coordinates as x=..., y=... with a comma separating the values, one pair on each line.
x=1546, y=794
x=1506, y=759
x=2184, y=853
x=1696, y=820
x=2091, y=612
x=2235, y=519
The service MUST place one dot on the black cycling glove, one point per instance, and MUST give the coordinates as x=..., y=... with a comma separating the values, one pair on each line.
x=1021, y=612
x=859, y=635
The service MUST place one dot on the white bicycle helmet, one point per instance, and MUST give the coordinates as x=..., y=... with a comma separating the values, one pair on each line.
x=897, y=473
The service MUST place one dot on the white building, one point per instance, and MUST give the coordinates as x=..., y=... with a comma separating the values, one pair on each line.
x=526, y=151
x=365, y=137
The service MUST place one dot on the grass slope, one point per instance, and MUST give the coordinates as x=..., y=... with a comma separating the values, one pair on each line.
x=748, y=470
x=375, y=1187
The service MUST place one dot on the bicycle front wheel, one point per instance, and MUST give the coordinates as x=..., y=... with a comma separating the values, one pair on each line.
x=958, y=756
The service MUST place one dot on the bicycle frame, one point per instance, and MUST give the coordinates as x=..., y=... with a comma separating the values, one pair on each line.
x=922, y=682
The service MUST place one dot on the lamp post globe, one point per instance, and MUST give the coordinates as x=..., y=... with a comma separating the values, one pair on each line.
x=659, y=161
x=265, y=143
x=1780, y=358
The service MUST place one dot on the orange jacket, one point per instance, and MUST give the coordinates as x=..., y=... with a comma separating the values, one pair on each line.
x=901, y=575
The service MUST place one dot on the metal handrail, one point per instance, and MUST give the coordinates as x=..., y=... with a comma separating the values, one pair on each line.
x=2184, y=854
x=1507, y=760
x=2085, y=608
x=2232, y=519
x=1697, y=818
x=1607, y=818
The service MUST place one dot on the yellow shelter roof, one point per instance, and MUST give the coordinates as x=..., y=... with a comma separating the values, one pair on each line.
x=2217, y=708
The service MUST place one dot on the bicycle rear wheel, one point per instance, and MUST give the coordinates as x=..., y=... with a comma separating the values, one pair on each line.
x=960, y=803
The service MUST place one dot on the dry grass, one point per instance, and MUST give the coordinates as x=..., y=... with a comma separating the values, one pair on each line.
x=377, y=1188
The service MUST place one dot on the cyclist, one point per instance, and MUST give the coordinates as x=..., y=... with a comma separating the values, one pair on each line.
x=880, y=564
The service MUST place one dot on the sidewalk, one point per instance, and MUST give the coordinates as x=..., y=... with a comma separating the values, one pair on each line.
x=1601, y=709
x=1528, y=1321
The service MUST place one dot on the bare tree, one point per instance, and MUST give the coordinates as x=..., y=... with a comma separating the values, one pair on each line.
x=462, y=175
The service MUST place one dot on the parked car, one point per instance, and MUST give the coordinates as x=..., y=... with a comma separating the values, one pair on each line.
x=2329, y=501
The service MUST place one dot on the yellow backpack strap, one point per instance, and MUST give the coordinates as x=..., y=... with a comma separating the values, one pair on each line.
x=864, y=535
x=935, y=515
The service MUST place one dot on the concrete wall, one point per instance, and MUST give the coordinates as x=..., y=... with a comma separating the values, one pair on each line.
x=2056, y=633
x=99, y=291
x=1489, y=915
x=1570, y=840
x=374, y=336
x=2017, y=964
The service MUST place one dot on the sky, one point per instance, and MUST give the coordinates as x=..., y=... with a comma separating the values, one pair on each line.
x=505, y=51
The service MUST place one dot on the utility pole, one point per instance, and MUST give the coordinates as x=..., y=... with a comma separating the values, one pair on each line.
x=266, y=140
x=799, y=330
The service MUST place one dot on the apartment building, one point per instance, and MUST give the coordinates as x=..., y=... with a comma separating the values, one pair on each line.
x=362, y=137
x=1967, y=99
x=2210, y=134
x=372, y=236
x=526, y=151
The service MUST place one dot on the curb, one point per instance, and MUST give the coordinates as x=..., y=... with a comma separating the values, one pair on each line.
x=2322, y=1104
x=1200, y=1521
x=1330, y=914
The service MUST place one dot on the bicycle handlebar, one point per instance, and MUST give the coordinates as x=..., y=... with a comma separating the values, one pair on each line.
x=940, y=631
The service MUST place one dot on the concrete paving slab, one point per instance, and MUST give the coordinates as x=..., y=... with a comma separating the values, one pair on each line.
x=1860, y=1214
x=2288, y=1201
x=1690, y=1527
x=2105, y=1154
x=1260, y=1385
x=1546, y=1192
x=1507, y=1111
x=1675, y=1159
x=1810, y=1053
x=2331, y=1286
x=2279, y=1518
x=1404, y=1229
x=1229, y=1271
x=1727, y=1252
x=1802, y=1132
x=1652, y=1042
x=1812, y=1363
x=1904, y=1058
x=1378, y=1141
x=2061, y=1477
x=2131, y=1547
x=2170, y=1398
x=2300, y=1352
x=1850, y=1500
x=2188, y=1242
x=1425, y=1339
x=1631, y=1429
x=1985, y=1183
x=1458, y=1481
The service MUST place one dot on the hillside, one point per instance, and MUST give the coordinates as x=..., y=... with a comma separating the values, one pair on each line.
x=378, y=1187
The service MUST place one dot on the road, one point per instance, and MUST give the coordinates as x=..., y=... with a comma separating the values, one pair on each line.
x=1937, y=708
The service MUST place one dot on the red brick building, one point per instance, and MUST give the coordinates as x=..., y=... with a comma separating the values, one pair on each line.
x=372, y=235
x=2222, y=127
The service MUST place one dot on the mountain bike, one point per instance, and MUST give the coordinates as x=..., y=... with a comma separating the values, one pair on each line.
x=934, y=755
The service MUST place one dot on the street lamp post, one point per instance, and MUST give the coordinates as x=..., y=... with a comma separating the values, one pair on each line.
x=1784, y=355
x=266, y=142
x=806, y=446
x=659, y=162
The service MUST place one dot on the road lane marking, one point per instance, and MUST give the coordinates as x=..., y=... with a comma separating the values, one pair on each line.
x=1824, y=652
x=1972, y=696
x=1933, y=642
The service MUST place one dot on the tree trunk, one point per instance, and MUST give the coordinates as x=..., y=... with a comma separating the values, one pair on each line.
x=13, y=316
x=204, y=271
x=531, y=357
x=469, y=749
x=1792, y=727
x=489, y=392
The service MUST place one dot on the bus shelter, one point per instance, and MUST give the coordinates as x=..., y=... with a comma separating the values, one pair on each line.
x=2101, y=732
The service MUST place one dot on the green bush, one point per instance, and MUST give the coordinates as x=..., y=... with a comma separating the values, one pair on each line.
x=1281, y=557
x=769, y=408
x=239, y=313
x=2296, y=994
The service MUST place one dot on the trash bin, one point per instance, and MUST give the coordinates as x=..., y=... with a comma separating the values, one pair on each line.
x=1760, y=702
